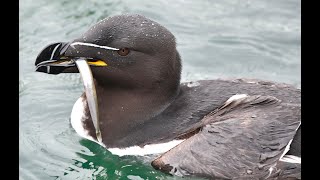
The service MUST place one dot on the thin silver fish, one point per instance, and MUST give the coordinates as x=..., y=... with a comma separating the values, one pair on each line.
x=91, y=93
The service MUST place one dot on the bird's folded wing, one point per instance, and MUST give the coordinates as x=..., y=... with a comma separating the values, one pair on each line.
x=243, y=139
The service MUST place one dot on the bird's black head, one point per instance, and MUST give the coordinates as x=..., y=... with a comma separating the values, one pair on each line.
x=126, y=51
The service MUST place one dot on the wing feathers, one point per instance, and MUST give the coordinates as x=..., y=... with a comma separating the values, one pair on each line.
x=243, y=138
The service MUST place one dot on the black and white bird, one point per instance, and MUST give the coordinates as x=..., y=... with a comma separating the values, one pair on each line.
x=134, y=104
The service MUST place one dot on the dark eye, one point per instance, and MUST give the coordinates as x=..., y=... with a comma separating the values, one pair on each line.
x=123, y=51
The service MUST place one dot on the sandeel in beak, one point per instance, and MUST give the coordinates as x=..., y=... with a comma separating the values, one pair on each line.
x=91, y=94
x=56, y=63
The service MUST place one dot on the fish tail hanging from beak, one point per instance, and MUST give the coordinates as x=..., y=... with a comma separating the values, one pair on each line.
x=91, y=93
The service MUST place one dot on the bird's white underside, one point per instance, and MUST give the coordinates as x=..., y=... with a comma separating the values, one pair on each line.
x=78, y=116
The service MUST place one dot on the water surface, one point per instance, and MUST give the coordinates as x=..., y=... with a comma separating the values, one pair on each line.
x=216, y=39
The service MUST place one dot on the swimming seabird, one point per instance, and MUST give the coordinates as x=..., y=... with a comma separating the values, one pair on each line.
x=134, y=104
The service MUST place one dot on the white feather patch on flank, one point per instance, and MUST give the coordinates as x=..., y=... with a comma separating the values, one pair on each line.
x=291, y=159
x=286, y=149
x=236, y=97
x=147, y=149
x=193, y=84
x=288, y=145
x=77, y=120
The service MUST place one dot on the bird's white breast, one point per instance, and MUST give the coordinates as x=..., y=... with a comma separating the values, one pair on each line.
x=78, y=117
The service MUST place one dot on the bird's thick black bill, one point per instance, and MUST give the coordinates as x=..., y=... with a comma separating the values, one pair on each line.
x=51, y=59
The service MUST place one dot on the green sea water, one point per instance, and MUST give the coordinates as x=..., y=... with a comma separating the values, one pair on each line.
x=216, y=39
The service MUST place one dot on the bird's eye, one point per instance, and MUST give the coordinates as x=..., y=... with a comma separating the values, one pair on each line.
x=123, y=51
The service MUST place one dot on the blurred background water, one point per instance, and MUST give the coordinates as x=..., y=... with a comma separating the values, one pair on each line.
x=216, y=39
